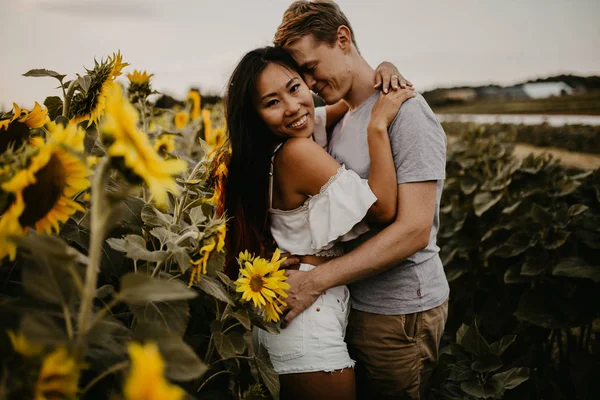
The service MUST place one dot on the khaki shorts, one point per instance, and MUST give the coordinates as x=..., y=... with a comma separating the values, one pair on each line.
x=395, y=354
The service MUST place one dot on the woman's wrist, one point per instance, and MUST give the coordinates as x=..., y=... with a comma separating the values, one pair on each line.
x=376, y=127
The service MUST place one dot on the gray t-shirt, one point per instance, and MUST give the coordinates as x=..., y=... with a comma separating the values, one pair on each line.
x=419, y=150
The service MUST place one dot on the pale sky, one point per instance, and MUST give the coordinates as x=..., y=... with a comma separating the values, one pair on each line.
x=188, y=43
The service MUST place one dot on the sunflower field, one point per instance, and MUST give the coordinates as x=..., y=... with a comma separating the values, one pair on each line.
x=112, y=247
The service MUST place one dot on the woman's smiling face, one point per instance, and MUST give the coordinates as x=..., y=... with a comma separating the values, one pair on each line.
x=284, y=102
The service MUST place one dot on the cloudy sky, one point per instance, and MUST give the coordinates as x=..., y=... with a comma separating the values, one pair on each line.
x=197, y=43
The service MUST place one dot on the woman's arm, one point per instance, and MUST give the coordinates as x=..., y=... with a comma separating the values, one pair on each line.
x=382, y=173
x=387, y=77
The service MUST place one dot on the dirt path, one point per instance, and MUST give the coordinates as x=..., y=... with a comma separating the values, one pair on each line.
x=569, y=159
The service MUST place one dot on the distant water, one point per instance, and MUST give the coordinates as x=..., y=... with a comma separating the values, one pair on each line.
x=554, y=120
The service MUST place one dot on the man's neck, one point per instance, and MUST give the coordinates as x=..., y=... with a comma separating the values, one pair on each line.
x=362, y=84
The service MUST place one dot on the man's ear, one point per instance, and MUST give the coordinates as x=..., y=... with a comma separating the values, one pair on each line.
x=344, y=37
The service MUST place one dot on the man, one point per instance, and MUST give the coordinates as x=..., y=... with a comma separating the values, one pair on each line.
x=398, y=286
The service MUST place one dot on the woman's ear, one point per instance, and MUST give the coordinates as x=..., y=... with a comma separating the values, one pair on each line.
x=344, y=37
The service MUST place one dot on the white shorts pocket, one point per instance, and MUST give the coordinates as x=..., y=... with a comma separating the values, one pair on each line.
x=288, y=344
x=336, y=298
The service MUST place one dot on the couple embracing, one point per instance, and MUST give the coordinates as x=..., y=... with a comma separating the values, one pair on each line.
x=357, y=207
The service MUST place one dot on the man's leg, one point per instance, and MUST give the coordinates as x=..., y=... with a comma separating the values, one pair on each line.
x=395, y=354
x=432, y=328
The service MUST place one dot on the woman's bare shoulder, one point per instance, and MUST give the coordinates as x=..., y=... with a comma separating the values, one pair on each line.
x=299, y=151
x=306, y=163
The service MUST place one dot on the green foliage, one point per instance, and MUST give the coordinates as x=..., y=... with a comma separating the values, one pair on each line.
x=139, y=260
x=520, y=244
x=579, y=138
x=470, y=367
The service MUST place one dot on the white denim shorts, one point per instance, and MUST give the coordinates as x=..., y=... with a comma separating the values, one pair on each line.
x=314, y=340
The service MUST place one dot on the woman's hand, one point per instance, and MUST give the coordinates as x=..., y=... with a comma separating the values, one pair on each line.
x=387, y=76
x=387, y=106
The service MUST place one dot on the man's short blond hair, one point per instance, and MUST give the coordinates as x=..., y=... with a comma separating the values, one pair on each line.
x=320, y=18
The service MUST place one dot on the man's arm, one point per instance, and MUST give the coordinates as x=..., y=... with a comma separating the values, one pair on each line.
x=409, y=233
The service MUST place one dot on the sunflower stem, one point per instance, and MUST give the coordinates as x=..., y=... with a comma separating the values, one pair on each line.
x=231, y=327
x=68, y=97
x=157, y=268
x=180, y=207
x=144, y=118
x=115, y=368
x=68, y=322
x=214, y=376
x=62, y=86
x=107, y=307
x=99, y=210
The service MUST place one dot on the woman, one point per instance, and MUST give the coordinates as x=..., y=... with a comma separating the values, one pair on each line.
x=283, y=185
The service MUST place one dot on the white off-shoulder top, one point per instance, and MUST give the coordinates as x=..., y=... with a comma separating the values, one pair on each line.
x=333, y=215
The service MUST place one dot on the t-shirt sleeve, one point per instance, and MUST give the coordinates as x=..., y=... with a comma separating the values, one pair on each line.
x=418, y=143
x=320, y=129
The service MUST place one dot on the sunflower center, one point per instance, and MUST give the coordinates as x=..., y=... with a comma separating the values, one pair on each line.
x=41, y=197
x=16, y=134
x=256, y=283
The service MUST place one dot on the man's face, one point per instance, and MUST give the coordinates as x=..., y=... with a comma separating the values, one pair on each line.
x=325, y=68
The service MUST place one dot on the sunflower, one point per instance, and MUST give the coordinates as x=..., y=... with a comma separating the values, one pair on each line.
x=164, y=144
x=217, y=137
x=139, y=77
x=90, y=105
x=53, y=176
x=146, y=380
x=127, y=145
x=22, y=346
x=245, y=256
x=261, y=281
x=207, y=125
x=272, y=310
x=195, y=98
x=15, y=130
x=10, y=227
x=59, y=373
x=181, y=119
x=139, y=85
x=200, y=264
x=221, y=233
x=92, y=161
x=209, y=245
x=59, y=377
x=219, y=177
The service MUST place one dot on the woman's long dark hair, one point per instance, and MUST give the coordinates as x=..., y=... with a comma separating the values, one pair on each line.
x=252, y=145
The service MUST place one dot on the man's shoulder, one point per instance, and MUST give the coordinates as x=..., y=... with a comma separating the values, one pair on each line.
x=417, y=107
x=415, y=114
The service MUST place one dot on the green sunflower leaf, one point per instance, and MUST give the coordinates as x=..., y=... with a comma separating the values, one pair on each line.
x=574, y=267
x=484, y=201
x=511, y=379
x=213, y=287
x=41, y=72
x=222, y=342
x=140, y=288
x=54, y=104
x=266, y=372
x=183, y=364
